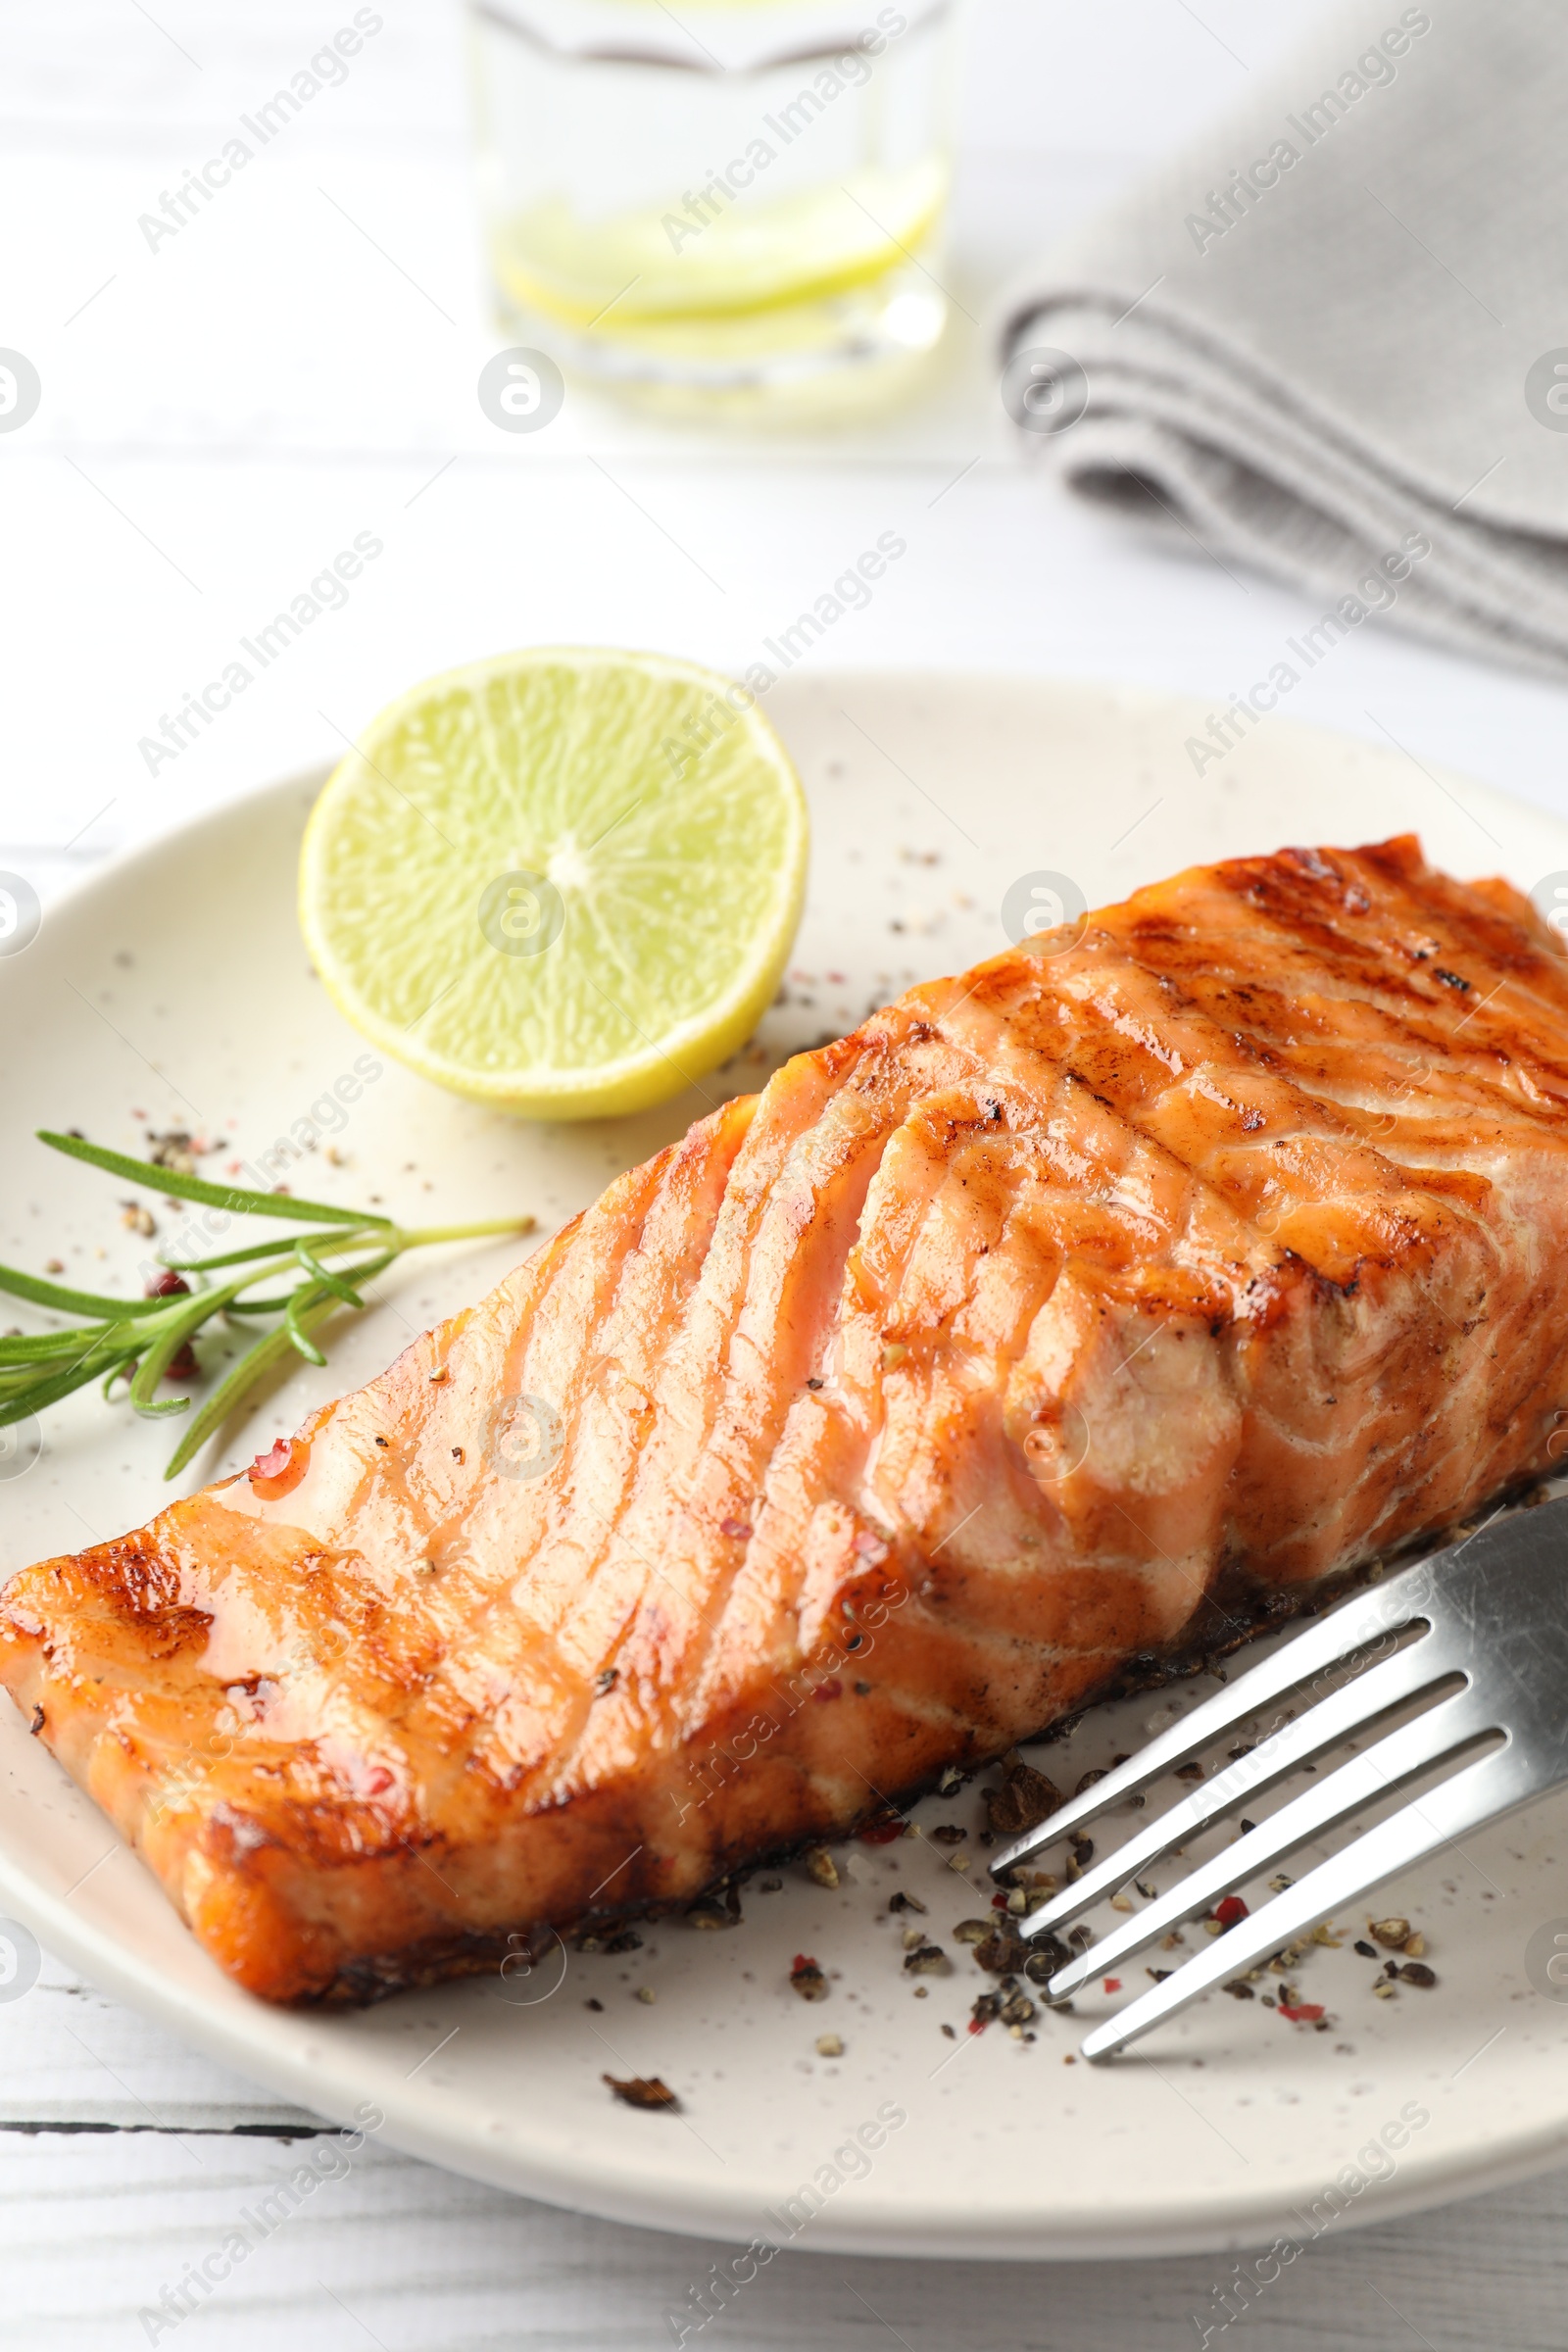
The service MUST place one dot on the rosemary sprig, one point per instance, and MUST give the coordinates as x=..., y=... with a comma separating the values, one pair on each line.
x=141, y=1340
x=231, y=1196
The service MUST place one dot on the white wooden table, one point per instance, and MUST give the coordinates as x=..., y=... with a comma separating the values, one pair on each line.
x=220, y=416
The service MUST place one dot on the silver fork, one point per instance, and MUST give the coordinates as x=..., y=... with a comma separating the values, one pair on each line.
x=1480, y=1630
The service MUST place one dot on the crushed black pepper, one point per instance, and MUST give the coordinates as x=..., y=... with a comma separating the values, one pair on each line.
x=643, y=2090
x=1024, y=1799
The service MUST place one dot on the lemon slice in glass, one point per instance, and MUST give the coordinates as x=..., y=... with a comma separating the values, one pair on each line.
x=563, y=881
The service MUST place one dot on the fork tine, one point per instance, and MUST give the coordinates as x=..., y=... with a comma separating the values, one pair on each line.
x=1282, y=1751
x=1383, y=1609
x=1479, y=1793
x=1360, y=1781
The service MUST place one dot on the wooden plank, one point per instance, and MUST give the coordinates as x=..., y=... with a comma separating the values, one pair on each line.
x=395, y=2254
x=68, y=2054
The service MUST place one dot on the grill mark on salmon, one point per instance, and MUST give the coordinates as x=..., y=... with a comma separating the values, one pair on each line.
x=1119, y=1292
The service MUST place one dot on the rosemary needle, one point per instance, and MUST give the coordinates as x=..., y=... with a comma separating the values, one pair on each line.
x=143, y=1341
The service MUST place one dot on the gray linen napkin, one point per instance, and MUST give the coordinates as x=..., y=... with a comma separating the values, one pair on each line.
x=1329, y=339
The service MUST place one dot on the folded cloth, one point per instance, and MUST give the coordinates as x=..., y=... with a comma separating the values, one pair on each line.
x=1329, y=339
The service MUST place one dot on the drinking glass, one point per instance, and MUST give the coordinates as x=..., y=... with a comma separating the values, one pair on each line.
x=736, y=205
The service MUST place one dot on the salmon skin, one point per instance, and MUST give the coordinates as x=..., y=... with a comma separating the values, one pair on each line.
x=1116, y=1293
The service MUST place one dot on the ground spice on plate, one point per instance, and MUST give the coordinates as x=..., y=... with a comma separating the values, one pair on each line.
x=643, y=2090
x=808, y=1979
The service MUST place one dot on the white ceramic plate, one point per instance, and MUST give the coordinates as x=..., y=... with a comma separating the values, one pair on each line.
x=171, y=991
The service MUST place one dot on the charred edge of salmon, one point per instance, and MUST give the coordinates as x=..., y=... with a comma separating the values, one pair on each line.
x=1238, y=1611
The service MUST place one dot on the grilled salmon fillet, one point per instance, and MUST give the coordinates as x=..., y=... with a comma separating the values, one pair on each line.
x=1066, y=1313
